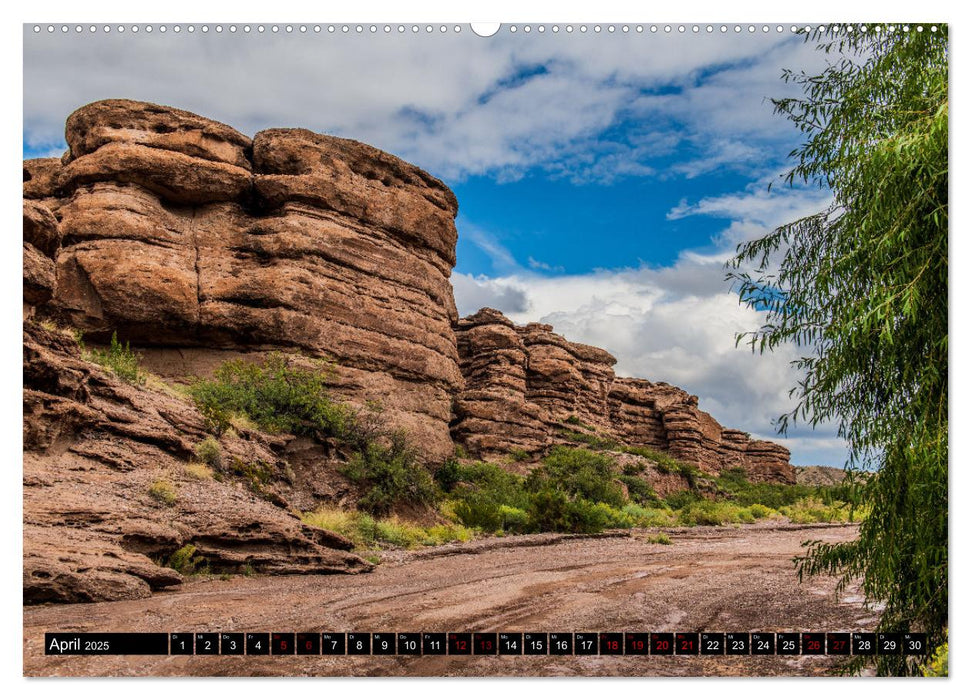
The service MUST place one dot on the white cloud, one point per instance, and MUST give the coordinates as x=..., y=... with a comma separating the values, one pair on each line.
x=581, y=106
x=678, y=323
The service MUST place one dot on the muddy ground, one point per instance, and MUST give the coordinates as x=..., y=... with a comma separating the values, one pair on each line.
x=708, y=579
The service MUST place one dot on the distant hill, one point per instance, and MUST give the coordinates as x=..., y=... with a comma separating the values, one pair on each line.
x=819, y=476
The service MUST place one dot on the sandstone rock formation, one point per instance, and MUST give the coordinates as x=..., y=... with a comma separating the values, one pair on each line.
x=179, y=232
x=523, y=385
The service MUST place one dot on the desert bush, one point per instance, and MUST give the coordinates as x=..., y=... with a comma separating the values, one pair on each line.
x=185, y=562
x=681, y=499
x=704, y=512
x=814, y=510
x=578, y=473
x=553, y=511
x=594, y=441
x=659, y=538
x=198, y=471
x=119, y=359
x=663, y=462
x=277, y=395
x=649, y=517
x=639, y=490
x=366, y=531
x=760, y=512
x=513, y=519
x=391, y=475
x=209, y=452
x=163, y=491
x=280, y=395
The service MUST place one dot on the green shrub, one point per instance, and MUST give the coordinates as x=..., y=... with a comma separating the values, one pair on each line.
x=681, y=499
x=198, y=471
x=210, y=452
x=649, y=517
x=120, y=359
x=513, y=519
x=185, y=562
x=937, y=665
x=552, y=511
x=163, y=491
x=664, y=463
x=594, y=441
x=366, y=531
x=277, y=395
x=518, y=455
x=484, y=482
x=391, y=476
x=703, y=512
x=735, y=485
x=478, y=511
x=639, y=490
x=659, y=538
x=814, y=510
x=578, y=473
x=760, y=512
x=613, y=517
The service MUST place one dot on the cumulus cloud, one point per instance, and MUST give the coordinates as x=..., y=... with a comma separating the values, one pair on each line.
x=474, y=292
x=677, y=323
x=586, y=107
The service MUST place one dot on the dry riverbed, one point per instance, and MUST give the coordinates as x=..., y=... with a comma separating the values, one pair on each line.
x=731, y=579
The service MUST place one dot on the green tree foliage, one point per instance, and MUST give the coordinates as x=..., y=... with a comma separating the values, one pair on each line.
x=578, y=473
x=861, y=288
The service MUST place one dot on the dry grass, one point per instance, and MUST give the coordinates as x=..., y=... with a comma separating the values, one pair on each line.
x=198, y=471
x=163, y=491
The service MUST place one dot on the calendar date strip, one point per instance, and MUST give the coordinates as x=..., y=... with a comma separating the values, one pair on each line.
x=483, y=643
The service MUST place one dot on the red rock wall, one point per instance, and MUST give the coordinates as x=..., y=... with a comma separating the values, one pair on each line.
x=522, y=383
x=179, y=232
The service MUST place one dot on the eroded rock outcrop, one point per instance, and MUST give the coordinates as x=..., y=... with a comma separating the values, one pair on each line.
x=179, y=232
x=527, y=386
x=198, y=244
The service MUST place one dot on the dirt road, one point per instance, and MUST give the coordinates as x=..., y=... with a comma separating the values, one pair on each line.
x=708, y=579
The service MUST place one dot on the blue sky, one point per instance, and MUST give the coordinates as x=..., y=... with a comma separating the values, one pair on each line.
x=603, y=179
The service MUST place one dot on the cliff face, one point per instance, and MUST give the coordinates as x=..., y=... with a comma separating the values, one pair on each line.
x=197, y=244
x=182, y=234
x=524, y=383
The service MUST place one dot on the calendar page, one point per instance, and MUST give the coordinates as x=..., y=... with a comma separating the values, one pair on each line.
x=512, y=349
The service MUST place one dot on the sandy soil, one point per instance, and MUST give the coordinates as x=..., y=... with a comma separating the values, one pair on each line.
x=709, y=579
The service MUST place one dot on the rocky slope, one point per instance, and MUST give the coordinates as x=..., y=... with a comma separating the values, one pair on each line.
x=821, y=476
x=97, y=449
x=198, y=244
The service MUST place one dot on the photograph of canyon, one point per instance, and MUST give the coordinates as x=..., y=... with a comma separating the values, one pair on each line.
x=402, y=330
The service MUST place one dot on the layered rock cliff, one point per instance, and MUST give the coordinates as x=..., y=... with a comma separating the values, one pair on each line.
x=180, y=234
x=525, y=384
x=198, y=244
